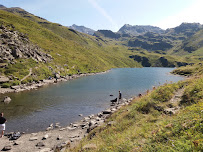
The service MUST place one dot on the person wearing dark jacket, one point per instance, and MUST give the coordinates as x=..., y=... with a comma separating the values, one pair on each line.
x=119, y=95
x=2, y=124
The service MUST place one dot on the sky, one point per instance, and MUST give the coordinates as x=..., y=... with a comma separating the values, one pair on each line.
x=113, y=14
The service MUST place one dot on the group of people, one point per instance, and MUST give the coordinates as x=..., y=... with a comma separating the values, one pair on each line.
x=2, y=124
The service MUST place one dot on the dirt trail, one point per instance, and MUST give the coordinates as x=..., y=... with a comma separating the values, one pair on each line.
x=174, y=102
x=27, y=75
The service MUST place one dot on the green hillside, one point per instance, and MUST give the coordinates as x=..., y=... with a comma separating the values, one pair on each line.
x=168, y=118
x=54, y=48
x=72, y=51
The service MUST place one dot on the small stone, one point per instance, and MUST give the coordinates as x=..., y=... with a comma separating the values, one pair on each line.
x=59, y=137
x=45, y=137
x=62, y=129
x=80, y=115
x=49, y=128
x=33, y=138
x=34, y=134
x=70, y=128
x=75, y=125
x=57, y=126
x=17, y=143
x=40, y=144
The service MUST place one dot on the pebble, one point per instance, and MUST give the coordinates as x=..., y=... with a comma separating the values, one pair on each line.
x=33, y=138
x=45, y=137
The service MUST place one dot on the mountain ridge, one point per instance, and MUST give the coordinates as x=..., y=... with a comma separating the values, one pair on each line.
x=82, y=29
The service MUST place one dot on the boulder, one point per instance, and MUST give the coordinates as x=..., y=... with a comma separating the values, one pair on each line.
x=107, y=111
x=57, y=76
x=3, y=79
x=7, y=99
x=15, y=136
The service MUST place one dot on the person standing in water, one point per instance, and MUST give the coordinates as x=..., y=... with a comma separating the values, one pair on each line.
x=2, y=124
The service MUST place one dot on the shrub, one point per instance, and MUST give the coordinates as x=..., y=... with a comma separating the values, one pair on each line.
x=5, y=85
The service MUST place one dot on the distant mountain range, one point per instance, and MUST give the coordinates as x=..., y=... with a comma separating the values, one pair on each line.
x=82, y=29
x=29, y=41
x=139, y=29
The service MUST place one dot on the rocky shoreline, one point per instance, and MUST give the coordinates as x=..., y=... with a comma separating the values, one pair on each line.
x=36, y=85
x=58, y=138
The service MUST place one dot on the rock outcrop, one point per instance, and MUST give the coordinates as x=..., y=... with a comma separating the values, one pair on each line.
x=14, y=45
x=143, y=60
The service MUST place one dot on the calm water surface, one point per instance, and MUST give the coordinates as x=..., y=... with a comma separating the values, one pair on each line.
x=34, y=110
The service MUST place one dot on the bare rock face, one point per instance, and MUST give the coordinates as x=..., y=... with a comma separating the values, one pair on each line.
x=14, y=45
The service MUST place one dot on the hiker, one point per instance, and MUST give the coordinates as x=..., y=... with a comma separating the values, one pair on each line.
x=119, y=96
x=2, y=124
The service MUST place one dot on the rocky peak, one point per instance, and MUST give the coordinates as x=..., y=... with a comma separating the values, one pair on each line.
x=107, y=33
x=187, y=29
x=1, y=6
x=82, y=29
x=139, y=29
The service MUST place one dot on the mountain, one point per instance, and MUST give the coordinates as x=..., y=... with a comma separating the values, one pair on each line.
x=31, y=42
x=139, y=29
x=107, y=33
x=187, y=29
x=1, y=6
x=82, y=29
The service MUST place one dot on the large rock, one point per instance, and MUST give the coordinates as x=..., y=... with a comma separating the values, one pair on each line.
x=7, y=99
x=3, y=79
x=107, y=111
x=7, y=148
x=14, y=45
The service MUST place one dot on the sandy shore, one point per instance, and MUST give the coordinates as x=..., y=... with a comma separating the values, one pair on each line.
x=56, y=137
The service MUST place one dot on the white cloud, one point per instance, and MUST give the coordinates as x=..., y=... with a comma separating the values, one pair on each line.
x=104, y=13
x=191, y=14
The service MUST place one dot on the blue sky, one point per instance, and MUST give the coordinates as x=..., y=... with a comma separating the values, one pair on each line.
x=113, y=14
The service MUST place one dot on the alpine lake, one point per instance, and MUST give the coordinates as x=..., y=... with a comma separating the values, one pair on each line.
x=35, y=110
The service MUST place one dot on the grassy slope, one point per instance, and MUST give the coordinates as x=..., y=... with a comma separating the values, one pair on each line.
x=139, y=127
x=196, y=41
x=80, y=52
x=73, y=52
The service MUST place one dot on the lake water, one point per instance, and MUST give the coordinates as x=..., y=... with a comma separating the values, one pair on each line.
x=34, y=110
